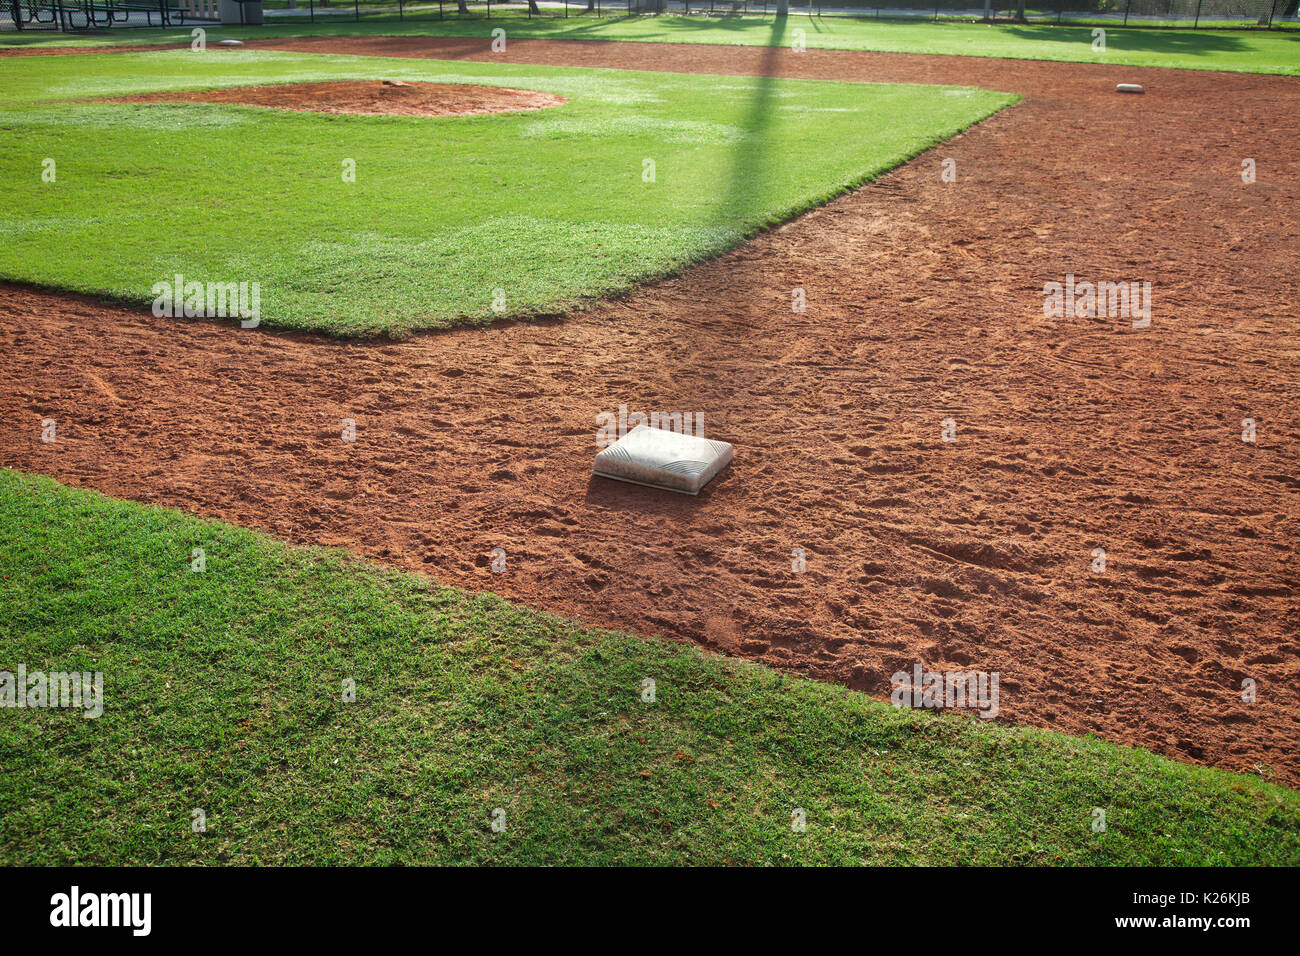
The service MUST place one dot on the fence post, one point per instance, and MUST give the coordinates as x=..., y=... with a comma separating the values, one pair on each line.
x=356, y=8
x=18, y=16
x=312, y=6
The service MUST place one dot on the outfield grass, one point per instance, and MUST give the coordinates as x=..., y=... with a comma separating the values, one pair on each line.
x=1245, y=51
x=223, y=692
x=550, y=207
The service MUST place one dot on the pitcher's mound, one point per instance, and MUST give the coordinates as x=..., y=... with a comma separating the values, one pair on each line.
x=366, y=97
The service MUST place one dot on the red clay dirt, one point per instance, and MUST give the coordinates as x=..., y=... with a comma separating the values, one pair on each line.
x=360, y=97
x=924, y=302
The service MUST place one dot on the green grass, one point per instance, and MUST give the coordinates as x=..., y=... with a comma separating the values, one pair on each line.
x=223, y=691
x=548, y=206
x=1246, y=51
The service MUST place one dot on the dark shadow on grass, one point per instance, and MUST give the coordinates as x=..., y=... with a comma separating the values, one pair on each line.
x=1180, y=42
x=739, y=205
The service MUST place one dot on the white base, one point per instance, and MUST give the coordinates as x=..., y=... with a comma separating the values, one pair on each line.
x=658, y=458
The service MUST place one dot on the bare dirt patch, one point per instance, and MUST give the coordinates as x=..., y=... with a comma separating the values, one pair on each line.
x=364, y=97
x=924, y=302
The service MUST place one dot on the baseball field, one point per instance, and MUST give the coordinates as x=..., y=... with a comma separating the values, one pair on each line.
x=307, y=345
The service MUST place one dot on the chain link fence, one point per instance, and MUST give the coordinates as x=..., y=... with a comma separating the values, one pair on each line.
x=77, y=15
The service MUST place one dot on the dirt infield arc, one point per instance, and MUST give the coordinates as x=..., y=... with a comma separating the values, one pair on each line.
x=924, y=302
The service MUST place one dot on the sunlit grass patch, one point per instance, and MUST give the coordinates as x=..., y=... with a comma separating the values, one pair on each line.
x=450, y=219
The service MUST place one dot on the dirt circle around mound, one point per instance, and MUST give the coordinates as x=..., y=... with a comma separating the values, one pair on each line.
x=366, y=98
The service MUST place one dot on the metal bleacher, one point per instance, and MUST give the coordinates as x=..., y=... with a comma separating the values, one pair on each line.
x=73, y=15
